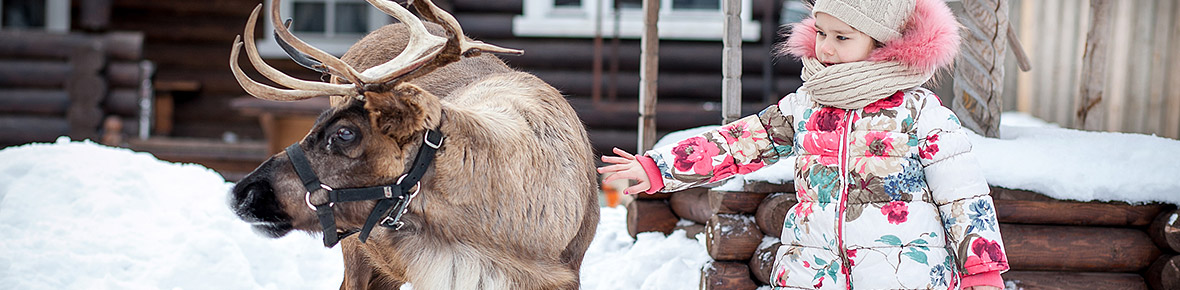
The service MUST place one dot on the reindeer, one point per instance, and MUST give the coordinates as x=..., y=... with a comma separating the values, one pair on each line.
x=479, y=176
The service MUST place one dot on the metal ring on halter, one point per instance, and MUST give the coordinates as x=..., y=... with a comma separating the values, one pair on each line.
x=307, y=197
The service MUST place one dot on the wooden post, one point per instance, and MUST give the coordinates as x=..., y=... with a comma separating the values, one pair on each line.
x=648, y=73
x=719, y=275
x=731, y=64
x=1091, y=109
x=86, y=89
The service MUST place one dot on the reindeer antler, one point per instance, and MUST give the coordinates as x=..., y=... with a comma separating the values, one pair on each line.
x=423, y=48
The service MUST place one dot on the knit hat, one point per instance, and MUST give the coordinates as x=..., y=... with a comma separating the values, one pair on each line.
x=880, y=19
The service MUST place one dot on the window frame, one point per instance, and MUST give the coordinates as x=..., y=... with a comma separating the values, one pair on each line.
x=329, y=41
x=57, y=16
x=542, y=18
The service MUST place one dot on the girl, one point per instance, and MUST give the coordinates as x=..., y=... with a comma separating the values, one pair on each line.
x=890, y=196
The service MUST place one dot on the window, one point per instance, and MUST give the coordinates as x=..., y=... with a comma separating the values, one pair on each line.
x=50, y=15
x=330, y=25
x=679, y=19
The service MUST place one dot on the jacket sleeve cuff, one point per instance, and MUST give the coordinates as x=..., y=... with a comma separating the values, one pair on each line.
x=653, y=173
x=990, y=278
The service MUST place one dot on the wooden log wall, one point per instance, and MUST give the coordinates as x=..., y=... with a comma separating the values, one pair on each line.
x=1051, y=244
x=70, y=84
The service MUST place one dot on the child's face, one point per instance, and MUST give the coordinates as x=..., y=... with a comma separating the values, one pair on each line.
x=836, y=42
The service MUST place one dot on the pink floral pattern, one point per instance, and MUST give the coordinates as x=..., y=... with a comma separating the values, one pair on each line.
x=853, y=166
x=694, y=154
x=896, y=212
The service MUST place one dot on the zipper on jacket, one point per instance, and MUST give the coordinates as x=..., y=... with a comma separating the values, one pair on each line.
x=843, y=155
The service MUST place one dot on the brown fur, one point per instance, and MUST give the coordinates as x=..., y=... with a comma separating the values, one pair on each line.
x=510, y=202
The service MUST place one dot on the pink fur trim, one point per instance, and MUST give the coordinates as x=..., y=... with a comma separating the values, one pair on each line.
x=929, y=41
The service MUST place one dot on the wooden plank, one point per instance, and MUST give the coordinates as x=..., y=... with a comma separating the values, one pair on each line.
x=1066, y=68
x=648, y=75
x=1172, y=118
x=1045, y=280
x=123, y=102
x=33, y=73
x=1055, y=248
x=18, y=129
x=1162, y=49
x=1118, y=69
x=718, y=275
x=1140, y=67
x=732, y=237
x=1090, y=110
x=1076, y=213
x=38, y=44
x=1049, y=23
x=34, y=101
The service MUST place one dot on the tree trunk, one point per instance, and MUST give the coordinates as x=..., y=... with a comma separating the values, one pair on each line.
x=979, y=70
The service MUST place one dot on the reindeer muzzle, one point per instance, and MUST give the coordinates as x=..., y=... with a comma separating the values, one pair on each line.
x=392, y=199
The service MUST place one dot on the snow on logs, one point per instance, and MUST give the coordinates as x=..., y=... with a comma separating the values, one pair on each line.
x=1051, y=244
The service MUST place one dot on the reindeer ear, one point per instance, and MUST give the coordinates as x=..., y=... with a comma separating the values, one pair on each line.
x=402, y=111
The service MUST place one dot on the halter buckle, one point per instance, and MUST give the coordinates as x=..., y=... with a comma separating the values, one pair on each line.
x=426, y=140
x=307, y=197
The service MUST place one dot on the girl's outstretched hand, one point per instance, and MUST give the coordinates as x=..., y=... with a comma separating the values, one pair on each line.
x=625, y=167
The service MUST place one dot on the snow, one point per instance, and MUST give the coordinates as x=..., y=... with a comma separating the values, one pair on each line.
x=81, y=215
x=1041, y=157
x=78, y=215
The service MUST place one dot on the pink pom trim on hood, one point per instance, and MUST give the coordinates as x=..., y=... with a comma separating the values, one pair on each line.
x=929, y=41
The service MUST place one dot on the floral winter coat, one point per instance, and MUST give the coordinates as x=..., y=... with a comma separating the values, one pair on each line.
x=890, y=196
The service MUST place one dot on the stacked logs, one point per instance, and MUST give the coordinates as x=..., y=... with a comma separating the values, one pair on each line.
x=55, y=84
x=1051, y=244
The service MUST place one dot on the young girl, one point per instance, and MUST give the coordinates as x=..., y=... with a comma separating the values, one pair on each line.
x=890, y=196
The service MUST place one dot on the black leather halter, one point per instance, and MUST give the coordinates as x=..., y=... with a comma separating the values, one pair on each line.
x=396, y=196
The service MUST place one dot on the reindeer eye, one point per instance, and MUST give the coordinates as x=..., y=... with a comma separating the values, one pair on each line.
x=345, y=134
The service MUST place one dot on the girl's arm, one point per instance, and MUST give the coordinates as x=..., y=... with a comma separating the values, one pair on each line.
x=740, y=147
x=961, y=194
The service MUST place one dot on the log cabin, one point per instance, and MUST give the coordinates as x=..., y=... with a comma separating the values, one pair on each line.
x=193, y=116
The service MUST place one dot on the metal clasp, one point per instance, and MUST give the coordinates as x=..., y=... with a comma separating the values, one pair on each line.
x=307, y=197
x=426, y=140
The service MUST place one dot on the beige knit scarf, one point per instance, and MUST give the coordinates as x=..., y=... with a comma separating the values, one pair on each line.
x=855, y=85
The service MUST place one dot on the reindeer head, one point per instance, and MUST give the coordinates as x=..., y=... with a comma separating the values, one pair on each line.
x=364, y=141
